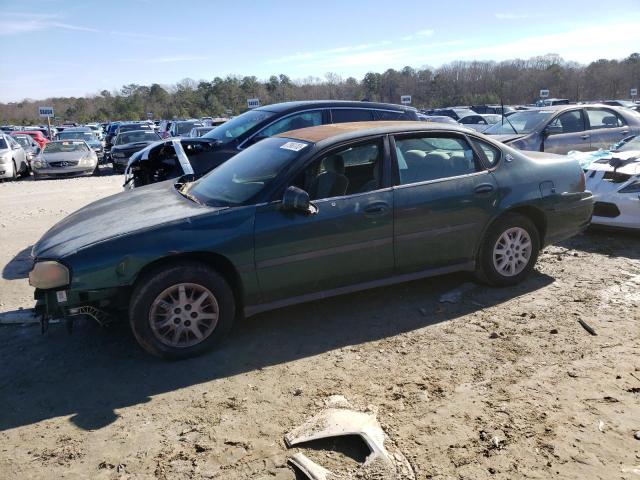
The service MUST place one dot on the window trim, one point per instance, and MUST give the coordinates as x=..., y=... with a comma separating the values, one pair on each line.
x=480, y=166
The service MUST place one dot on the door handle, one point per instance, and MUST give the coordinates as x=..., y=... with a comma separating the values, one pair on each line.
x=374, y=209
x=484, y=188
x=585, y=137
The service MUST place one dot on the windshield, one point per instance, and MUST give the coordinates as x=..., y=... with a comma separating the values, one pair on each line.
x=57, y=147
x=137, y=136
x=235, y=127
x=248, y=173
x=522, y=122
x=629, y=145
x=185, y=127
x=87, y=136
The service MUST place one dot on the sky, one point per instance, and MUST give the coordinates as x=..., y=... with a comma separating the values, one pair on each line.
x=81, y=47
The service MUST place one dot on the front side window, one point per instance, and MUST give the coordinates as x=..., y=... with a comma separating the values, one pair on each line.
x=350, y=170
x=239, y=125
x=569, y=122
x=343, y=115
x=603, y=118
x=293, y=122
x=425, y=158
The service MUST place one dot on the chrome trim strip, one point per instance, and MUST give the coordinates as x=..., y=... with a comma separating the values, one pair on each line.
x=437, y=180
x=255, y=309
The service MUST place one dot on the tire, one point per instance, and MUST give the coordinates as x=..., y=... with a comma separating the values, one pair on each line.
x=154, y=325
x=504, y=258
x=36, y=177
x=14, y=176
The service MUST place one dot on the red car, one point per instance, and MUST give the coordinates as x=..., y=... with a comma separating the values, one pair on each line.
x=40, y=139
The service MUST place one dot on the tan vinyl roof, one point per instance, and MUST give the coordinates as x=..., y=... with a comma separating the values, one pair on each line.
x=322, y=132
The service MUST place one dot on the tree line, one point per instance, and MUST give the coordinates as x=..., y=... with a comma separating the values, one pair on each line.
x=456, y=83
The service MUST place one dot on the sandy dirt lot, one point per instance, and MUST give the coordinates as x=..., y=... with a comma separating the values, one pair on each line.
x=502, y=383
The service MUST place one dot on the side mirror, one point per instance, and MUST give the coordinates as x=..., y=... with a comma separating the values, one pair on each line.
x=552, y=130
x=296, y=199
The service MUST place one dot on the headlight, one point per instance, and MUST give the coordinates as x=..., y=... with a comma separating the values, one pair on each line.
x=48, y=274
x=633, y=187
x=5, y=157
x=39, y=163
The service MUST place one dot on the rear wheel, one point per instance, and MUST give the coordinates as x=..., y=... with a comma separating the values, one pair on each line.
x=181, y=311
x=509, y=251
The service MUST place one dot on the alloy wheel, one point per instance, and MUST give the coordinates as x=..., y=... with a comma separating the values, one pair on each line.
x=512, y=252
x=184, y=315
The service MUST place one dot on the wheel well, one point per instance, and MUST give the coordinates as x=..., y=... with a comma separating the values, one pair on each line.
x=536, y=216
x=217, y=262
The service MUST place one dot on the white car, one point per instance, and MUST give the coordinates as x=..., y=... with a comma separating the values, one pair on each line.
x=13, y=159
x=614, y=181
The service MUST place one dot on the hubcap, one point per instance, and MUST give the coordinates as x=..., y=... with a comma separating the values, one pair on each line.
x=512, y=252
x=183, y=315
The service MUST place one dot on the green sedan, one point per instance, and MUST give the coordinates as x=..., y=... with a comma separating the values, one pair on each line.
x=307, y=214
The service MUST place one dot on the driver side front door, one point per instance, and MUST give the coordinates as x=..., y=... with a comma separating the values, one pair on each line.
x=348, y=241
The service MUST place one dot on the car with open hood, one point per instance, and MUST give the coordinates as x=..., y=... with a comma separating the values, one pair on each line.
x=160, y=161
x=614, y=179
x=304, y=215
x=563, y=128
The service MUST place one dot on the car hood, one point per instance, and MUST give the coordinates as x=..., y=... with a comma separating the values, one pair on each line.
x=504, y=138
x=115, y=216
x=67, y=156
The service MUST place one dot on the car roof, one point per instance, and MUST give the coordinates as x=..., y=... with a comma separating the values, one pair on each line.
x=354, y=130
x=303, y=104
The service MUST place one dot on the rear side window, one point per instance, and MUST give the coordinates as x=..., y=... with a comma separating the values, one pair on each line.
x=389, y=115
x=425, y=158
x=602, y=118
x=341, y=115
x=491, y=153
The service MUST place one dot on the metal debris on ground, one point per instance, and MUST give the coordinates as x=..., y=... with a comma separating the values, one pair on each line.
x=338, y=420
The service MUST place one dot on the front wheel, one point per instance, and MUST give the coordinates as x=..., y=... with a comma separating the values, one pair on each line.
x=509, y=251
x=181, y=311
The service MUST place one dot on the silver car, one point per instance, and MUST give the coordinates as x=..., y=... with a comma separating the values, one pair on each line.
x=65, y=158
x=13, y=159
x=560, y=129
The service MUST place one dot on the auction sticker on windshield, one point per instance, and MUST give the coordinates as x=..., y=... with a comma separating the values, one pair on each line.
x=294, y=146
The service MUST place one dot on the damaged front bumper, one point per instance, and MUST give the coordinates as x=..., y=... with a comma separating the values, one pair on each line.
x=100, y=305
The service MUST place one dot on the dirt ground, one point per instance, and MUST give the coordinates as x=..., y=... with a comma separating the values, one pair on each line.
x=501, y=383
